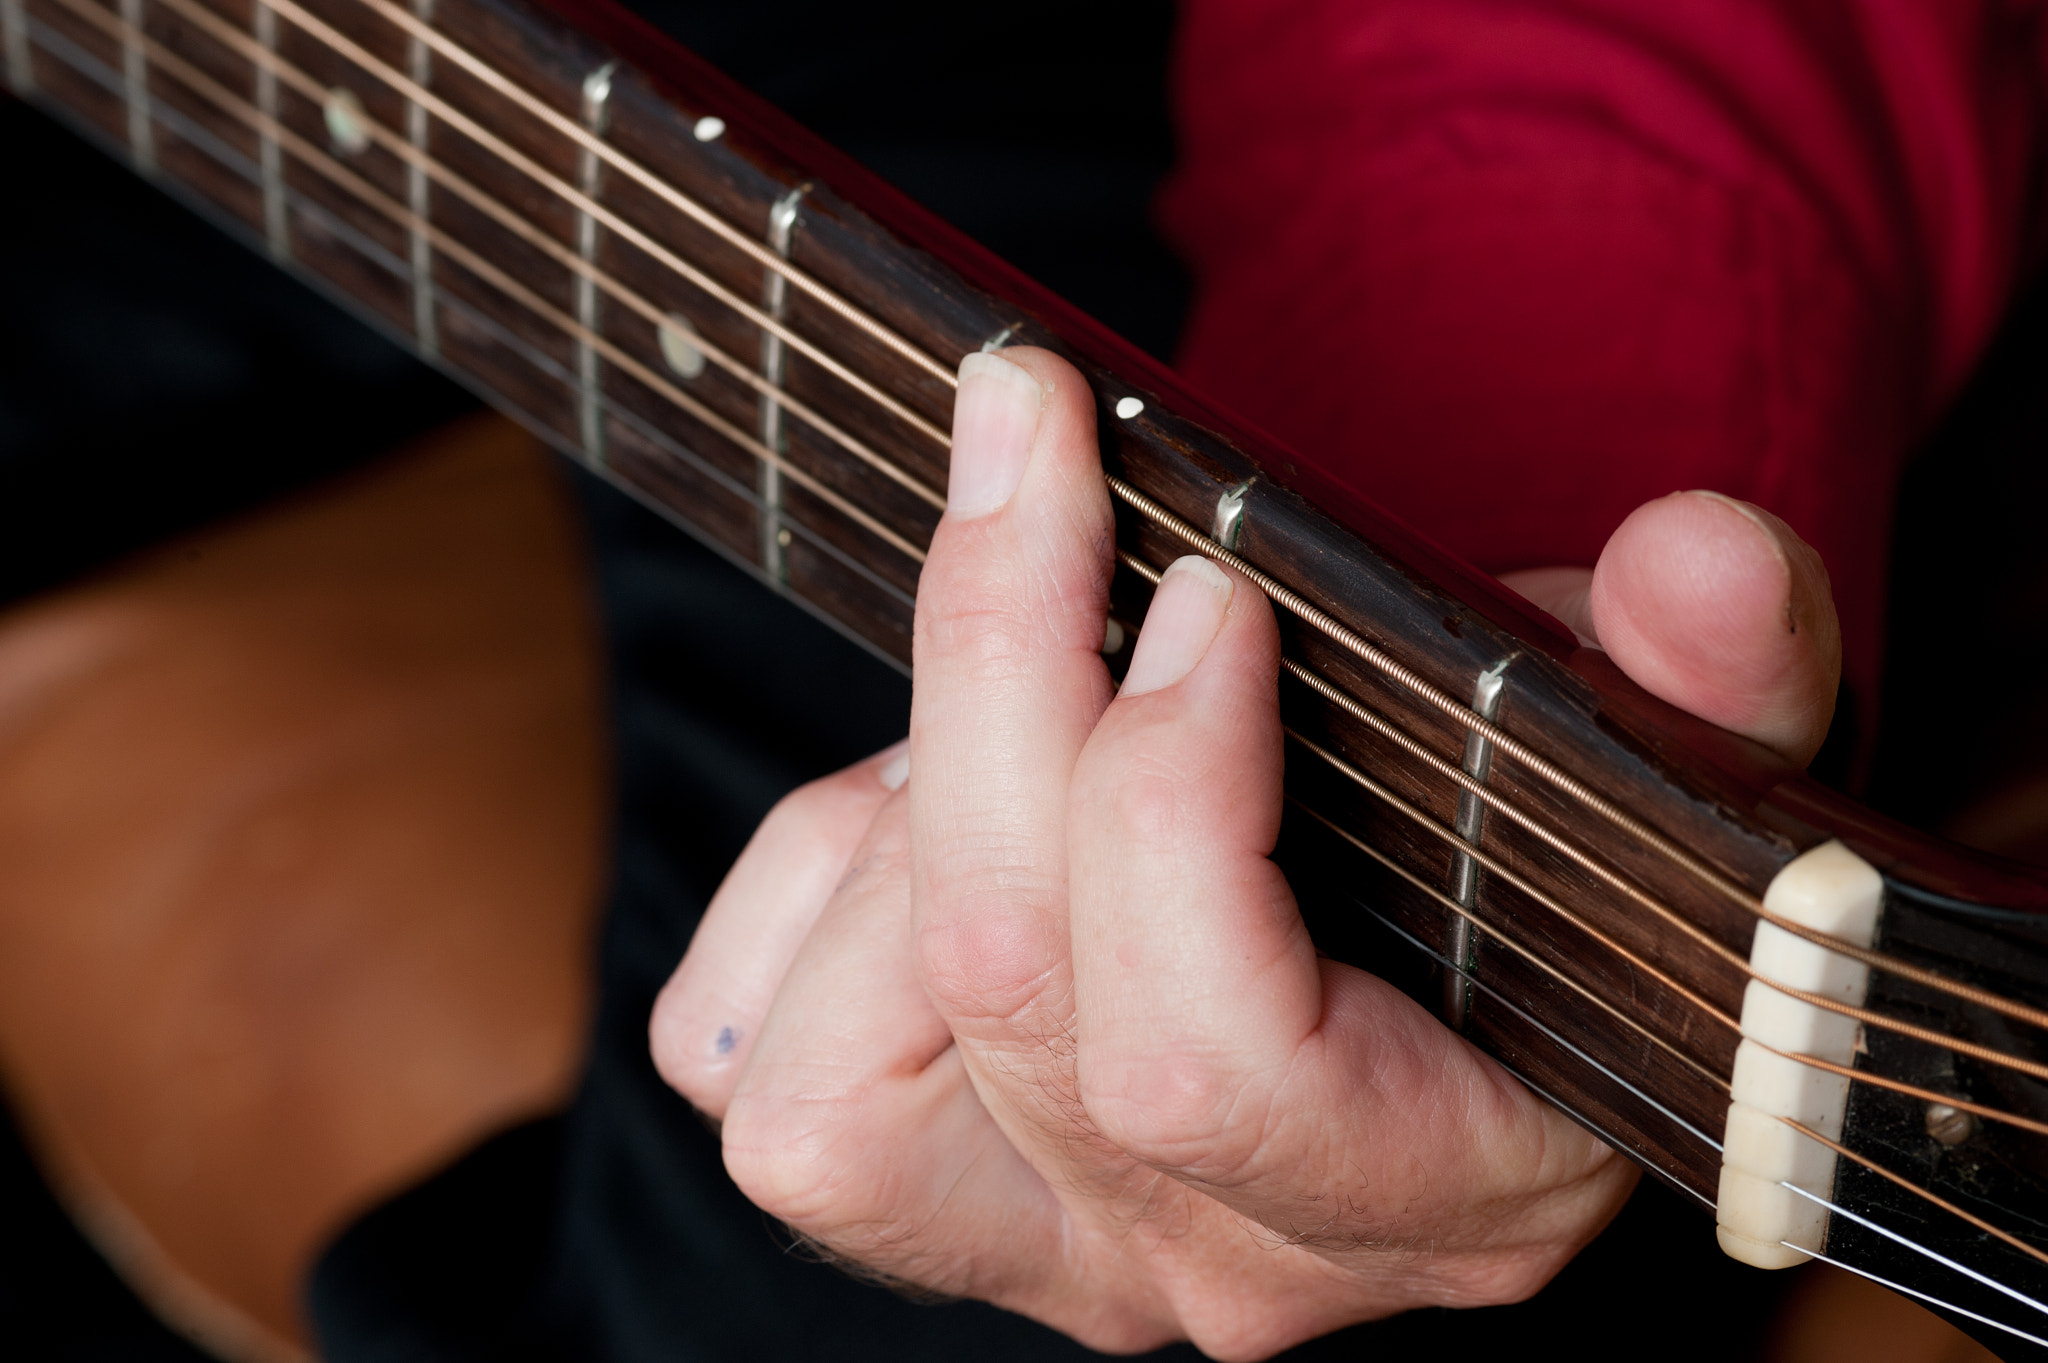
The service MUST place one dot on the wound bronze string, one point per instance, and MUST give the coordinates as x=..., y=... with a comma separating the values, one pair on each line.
x=1404, y=677
x=470, y=128
x=1315, y=616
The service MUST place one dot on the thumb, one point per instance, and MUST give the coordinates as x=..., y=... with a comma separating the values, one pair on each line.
x=1718, y=607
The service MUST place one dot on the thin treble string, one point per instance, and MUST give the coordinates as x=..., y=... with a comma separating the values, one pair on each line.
x=1907, y=1088
x=299, y=80
x=1951, y=1208
x=1409, y=744
x=418, y=94
x=1495, y=933
x=1570, y=785
x=1423, y=821
x=1384, y=662
x=1414, y=682
x=1496, y=867
x=1493, y=865
x=1393, y=668
x=598, y=147
x=235, y=107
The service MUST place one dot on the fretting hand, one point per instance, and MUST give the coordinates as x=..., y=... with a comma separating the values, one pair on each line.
x=1043, y=1027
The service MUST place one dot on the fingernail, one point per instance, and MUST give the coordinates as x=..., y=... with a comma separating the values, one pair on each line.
x=1809, y=599
x=995, y=419
x=1186, y=612
x=894, y=772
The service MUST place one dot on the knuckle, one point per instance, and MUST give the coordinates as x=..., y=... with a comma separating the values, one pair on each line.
x=988, y=953
x=1175, y=1110
x=787, y=1155
x=676, y=1061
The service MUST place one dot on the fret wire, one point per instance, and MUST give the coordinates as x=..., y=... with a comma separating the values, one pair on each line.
x=1365, y=715
x=483, y=137
x=597, y=90
x=1496, y=933
x=418, y=192
x=1570, y=785
x=276, y=224
x=238, y=109
x=766, y=258
x=527, y=232
x=21, y=71
x=1497, y=868
x=86, y=65
x=135, y=89
x=1486, y=860
x=1951, y=1208
x=1493, y=865
x=1414, y=748
x=1557, y=1039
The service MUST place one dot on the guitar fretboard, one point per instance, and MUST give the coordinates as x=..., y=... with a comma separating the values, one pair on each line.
x=666, y=284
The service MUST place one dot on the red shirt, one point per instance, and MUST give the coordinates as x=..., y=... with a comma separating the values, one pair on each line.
x=1511, y=268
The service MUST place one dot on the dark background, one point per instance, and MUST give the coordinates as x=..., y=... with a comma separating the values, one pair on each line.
x=155, y=376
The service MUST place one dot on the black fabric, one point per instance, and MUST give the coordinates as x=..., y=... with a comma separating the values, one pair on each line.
x=155, y=375
x=59, y=1301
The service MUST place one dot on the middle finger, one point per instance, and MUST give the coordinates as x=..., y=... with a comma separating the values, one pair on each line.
x=1009, y=683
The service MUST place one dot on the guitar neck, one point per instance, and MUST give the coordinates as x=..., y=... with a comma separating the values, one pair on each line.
x=674, y=285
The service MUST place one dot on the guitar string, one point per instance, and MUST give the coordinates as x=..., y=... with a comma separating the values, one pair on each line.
x=1460, y=713
x=1383, y=662
x=1492, y=864
x=243, y=45
x=1925, y=1250
x=469, y=127
x=1927, y=1297
x=334, y=171
x=1951, y=1208
x=113, y=83
x=604, y=151
x=1496, y=867
x=257, y=121
x=1387, y=729
x=1493, y=930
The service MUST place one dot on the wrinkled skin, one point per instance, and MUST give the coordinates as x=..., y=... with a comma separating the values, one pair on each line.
x=1026, y=1013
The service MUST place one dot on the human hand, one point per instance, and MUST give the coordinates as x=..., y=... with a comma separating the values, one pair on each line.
x=1043, y=1027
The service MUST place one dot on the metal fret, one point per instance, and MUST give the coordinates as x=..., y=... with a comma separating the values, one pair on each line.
x=277, y=232
x=774, y=362
x=21, y=76
x=135, y=90
x=597, y=95
x=1461, y=944
x=419, y=192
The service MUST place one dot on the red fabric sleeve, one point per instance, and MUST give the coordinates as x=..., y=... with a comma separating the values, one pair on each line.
x=1511, y=268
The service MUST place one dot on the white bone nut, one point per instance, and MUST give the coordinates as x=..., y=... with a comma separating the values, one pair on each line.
x=1760, y=1220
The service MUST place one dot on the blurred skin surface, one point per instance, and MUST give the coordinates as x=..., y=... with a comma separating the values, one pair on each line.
x=300, y=841
x=1054, y=1035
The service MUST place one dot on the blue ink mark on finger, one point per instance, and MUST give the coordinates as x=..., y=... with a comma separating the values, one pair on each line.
x=727, y=1039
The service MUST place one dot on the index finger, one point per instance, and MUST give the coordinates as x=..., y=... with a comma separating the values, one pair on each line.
x=1009, y=681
